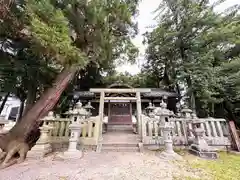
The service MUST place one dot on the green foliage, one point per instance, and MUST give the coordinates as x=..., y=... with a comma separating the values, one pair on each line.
x=189, y=47
x=50, y=28
x=103, y=30
x=230, y=79
x=135, y=81
x=39, y=38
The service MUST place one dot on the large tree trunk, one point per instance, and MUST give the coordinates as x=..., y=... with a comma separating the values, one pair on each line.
x=4, y=102
x=31, y=97
x=20, y=112
x=22, y=137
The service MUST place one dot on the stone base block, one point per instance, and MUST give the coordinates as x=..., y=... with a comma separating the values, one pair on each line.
x=141, y=147
x=170, y=156
x=134, y=128
x=77, y=154
x=204, y=154
x=40, y=150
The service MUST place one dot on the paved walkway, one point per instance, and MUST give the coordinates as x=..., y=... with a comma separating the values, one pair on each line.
x=96, y=166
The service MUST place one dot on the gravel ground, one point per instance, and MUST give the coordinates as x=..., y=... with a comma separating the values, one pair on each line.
x=97, y=166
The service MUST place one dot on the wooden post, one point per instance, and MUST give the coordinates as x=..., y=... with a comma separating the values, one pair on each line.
x=101, y=113
x=139, y=114
x=235, y=138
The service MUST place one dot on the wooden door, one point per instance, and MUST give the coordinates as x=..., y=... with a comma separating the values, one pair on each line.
x=120, y=113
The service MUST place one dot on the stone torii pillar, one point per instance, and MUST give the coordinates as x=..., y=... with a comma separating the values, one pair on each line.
x=101, y=114
x=139, y=113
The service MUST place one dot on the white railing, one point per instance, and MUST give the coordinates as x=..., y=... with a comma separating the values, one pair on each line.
x=216, y=132
x=60, y=133
x=90, y=131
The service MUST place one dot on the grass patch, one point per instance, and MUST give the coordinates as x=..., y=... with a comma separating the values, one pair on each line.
x=186, y=178
x=227, y=167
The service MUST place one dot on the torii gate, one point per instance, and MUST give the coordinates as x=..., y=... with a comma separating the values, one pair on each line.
x=137, y=98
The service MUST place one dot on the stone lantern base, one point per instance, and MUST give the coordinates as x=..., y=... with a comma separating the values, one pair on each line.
x=200, y=146
x=75, y=154
x=170, y=156
x=195, y=149
x=40, y=150
x=42, y=147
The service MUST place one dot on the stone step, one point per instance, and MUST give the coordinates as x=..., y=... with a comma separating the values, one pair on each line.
x=119, y=128
x=120, y=144
x=120, y=148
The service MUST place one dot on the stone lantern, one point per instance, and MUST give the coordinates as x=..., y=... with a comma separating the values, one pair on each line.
x=164, y=115
x=178, y=113
x=199, y=146
x=186, y=112
x=168, y=152
x=150, y=109
x=49, y=119
x=43, y=145
x=89, y=108
x=68, y=113
x=77, y=116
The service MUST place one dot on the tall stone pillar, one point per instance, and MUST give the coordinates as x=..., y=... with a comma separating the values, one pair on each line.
x=139, y=113
x=101, y=116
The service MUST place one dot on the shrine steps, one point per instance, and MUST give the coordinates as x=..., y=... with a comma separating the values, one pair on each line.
x=123, y=128
x=120, y=148
x=120, y=141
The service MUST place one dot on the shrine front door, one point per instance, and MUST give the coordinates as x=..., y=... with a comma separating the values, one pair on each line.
x=120, y=113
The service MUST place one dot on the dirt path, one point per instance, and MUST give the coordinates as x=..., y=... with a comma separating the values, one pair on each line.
x=94, y=166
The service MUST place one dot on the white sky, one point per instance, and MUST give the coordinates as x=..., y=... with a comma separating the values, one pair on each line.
x=145, y=19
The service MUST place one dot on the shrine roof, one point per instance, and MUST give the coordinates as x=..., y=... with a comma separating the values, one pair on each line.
x=155, y=92
x=84, y=93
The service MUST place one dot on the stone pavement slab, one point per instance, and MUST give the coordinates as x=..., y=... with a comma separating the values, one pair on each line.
x=95, y=166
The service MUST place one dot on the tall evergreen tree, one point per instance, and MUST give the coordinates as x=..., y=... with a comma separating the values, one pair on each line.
x=187, y=46
x=100, y=33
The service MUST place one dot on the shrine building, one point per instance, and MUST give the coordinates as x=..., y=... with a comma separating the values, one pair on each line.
x=121, y=101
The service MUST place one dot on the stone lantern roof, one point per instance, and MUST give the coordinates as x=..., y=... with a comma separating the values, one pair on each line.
x=163, y=111
x=79, y=110
x=50, y=116
x=89, y=106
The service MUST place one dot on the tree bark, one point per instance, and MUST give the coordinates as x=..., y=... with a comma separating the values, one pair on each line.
x=31, y=97
x=22, y=136
x=4, y=102
x=20, y=112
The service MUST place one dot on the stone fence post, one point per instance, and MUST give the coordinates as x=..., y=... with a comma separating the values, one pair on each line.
x=43, y=146
x=199, y=146
x=6, y=125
